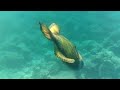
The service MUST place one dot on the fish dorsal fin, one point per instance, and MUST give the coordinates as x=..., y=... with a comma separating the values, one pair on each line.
x=54, y=28
x=45, y=30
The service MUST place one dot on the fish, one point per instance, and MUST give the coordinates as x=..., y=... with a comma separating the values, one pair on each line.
x=64, y=49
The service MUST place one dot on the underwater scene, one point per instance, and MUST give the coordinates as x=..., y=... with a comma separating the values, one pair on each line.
x=31, y=45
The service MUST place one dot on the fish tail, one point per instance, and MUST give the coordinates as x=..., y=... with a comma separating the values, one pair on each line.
x=54, y=28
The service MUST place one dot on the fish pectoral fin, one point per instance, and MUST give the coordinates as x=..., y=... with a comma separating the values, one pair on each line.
x=80, y=57
x=65, y=59
x=45, y=30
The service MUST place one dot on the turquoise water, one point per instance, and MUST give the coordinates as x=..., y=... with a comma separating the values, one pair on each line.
x=26, y=54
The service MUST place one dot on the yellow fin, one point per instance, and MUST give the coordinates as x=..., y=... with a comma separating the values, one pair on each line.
x=62, y=57
x=54, y=28
x=45, y=31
